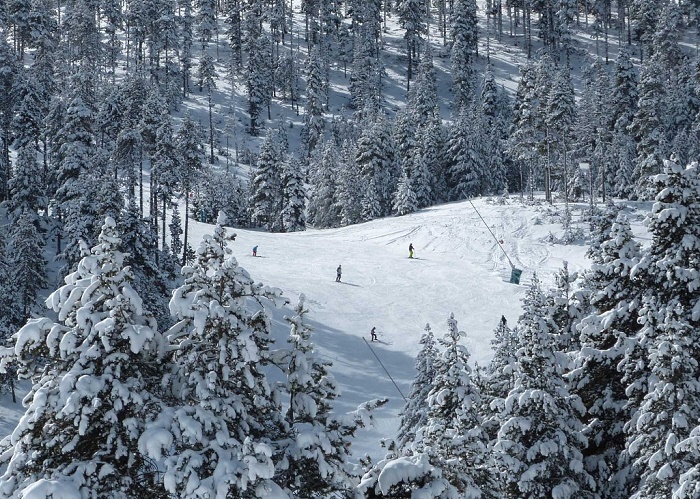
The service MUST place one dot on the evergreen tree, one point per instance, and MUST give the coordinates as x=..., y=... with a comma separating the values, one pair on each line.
x=605, y=336
x=525, y=133
x=258, y=72
x=464, y=51
x=559, y=108
x=414, y=414
x=27, y=193
x=463, y=158
x=647, y=129
x=206, y=20
x=175, y=228
x=375, y=157
x=454, y=436
x=670, y=326
x=86, y=413
x=365, y=82
x=315, y=90
x=538, y=450
x=315, y=452
x=624, y=104
x=499, y=377
x=207, y=80
x=76, y=148
x=405, y=201
x=449, y=457
x=323, y=209
x=140, y=245
x=165, y=169
x=27, y=263
x=217, y=382
x=349, y=188
x=189, y=150
x=266, y=186
x=294, y=197
x=412, y=18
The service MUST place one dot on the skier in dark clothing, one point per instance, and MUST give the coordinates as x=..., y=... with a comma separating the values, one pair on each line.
x=255, y=250
x=410, y=250
x=373, y=332
x=338, y=272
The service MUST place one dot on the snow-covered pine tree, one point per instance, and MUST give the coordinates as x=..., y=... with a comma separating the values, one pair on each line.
x=323, y=209
x=365, y=80
x=349, y=187
x=538, y=448
x=9, y=68
x=422, y=97
x=95, y=388
x=266, y=185
x=413, y=19
x=206, y=76
x=8, y=311
x=164, y=170
x=524, y=132
x=449, y=457
x=206, y=20
x=258, y=71
x=454, y=436
x=431, y=144
x=405, y=200
x=217, y=435
x=670, y=333
x=375, y=156
x=76, y=147
x=559, y=111
x=188, y=141
x=28, y=268
x=175, y=228
x=598, y=368
x=647, y=129
x=498, y=377
x=315, y=98
x=315, y=452
x=493, y=133
x=464, y=50
x=463, y=158
x=293, y=195
x=32, y=107
x=624, y=101
x=414, y=414
x=140, y=245
x=26, y=188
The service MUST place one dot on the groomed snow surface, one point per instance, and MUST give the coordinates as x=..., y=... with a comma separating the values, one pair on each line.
x=459, y=267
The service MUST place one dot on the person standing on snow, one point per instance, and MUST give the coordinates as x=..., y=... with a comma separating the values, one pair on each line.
x=410, y=250
x=338, y=272
x=373, y=332
x=255, y=250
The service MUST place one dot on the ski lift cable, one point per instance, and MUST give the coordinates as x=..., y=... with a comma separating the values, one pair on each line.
x=387, y=372
x=494, y=236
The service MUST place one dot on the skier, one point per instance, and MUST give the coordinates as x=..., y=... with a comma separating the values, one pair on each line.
x=373, y=332
x=338, y=272
x=255, y=250
x=410, y=250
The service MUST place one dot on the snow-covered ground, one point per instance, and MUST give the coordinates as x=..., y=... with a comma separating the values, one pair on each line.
x=458, y=268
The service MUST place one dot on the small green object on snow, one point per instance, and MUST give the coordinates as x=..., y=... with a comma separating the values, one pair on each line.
x=515, y=276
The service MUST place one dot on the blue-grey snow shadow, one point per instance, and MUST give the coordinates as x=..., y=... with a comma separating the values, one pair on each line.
x=358, y=373
x=348, y=284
